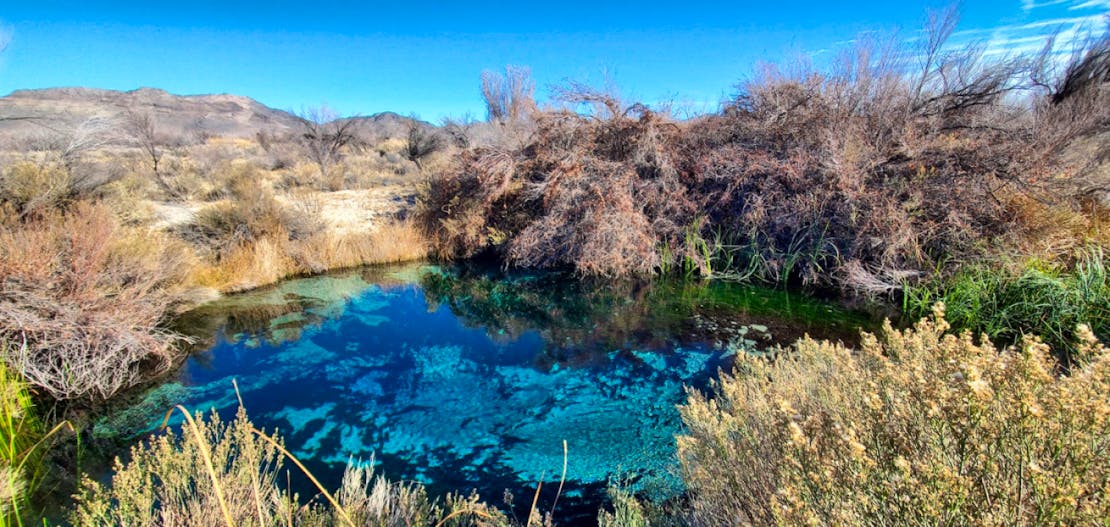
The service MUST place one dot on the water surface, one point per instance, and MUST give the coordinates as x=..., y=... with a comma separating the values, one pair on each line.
x=467, y=378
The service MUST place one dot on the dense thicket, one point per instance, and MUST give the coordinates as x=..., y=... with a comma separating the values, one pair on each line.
x=882, y=168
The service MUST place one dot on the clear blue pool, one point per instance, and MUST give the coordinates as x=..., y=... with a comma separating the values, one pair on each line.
x=471, y=378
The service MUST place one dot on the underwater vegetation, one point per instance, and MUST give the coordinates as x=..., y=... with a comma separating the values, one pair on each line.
x=577, y=315
x=466, y=378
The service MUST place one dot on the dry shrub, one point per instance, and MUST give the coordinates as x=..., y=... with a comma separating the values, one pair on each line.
x=864, y=163
x=32, y=187
x=917, y=427
x=231, y=178
x=165, y=483
x=252, y=214
x=596, y=192
x=85, y=299
x=881, y=168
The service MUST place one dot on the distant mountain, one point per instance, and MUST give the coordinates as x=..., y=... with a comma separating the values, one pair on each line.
x=389, y=124
x=32, y=113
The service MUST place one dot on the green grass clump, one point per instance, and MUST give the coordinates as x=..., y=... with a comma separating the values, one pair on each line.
x=20, y=430
x=1043, y=300
x=24, y=439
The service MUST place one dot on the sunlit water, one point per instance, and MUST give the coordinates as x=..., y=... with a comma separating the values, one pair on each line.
x=471, y=379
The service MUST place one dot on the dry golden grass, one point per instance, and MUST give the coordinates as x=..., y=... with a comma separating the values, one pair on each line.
x=1054, y=232
x=231, y=474
x=269, y=259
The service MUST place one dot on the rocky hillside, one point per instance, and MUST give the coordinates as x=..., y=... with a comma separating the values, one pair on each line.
x=29, y=114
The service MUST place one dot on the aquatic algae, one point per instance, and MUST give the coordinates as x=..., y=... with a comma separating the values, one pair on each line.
x=473, y=378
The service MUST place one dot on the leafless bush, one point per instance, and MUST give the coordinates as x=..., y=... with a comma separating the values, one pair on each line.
x=1071, y=119
x=90, y=134
x=865, y=163
x=458, y=131
x=324, y=136
x=895, y=160
x=596, y=193
x=509, y=97
x=143, y=131
x=420, y=142
x=510, y=106
x=85, y=299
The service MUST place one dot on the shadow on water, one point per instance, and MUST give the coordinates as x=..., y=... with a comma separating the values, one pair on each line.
x=469, y=378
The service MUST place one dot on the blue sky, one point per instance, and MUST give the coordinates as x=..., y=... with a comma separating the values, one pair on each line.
x=425, y=57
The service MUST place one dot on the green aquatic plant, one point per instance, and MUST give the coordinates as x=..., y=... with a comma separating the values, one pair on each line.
x=629, y=313
x=1049, y=301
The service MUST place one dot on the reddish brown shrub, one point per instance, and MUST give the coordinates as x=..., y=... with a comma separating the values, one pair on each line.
x=83, y=299
x=889, y=165
x=599, y=193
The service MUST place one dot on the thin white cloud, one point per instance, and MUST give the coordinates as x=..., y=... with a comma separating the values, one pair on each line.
x=1089, y=4
x=1087, y=17
x=1029, y=5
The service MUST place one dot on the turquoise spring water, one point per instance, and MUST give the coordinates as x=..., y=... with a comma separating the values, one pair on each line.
x=470, y=379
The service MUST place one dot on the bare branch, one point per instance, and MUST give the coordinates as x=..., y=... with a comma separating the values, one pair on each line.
x=324, y=136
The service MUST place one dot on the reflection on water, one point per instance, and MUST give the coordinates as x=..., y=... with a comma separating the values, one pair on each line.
x=469, y=378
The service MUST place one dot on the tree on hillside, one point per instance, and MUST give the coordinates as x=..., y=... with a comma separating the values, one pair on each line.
x=141, y=127
x=420, y=142
x=324, y=135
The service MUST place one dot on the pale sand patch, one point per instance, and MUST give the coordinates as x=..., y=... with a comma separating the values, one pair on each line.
x=168, y=215
x=342, y=211
x=346, y=211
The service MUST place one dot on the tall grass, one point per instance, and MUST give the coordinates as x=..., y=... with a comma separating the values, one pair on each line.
x=24, y=440
x=258, y=262
x=20, y=430
x=1047, y=300
x=216, y=473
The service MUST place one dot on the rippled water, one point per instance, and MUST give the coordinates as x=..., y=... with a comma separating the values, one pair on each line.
x=470, y=378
